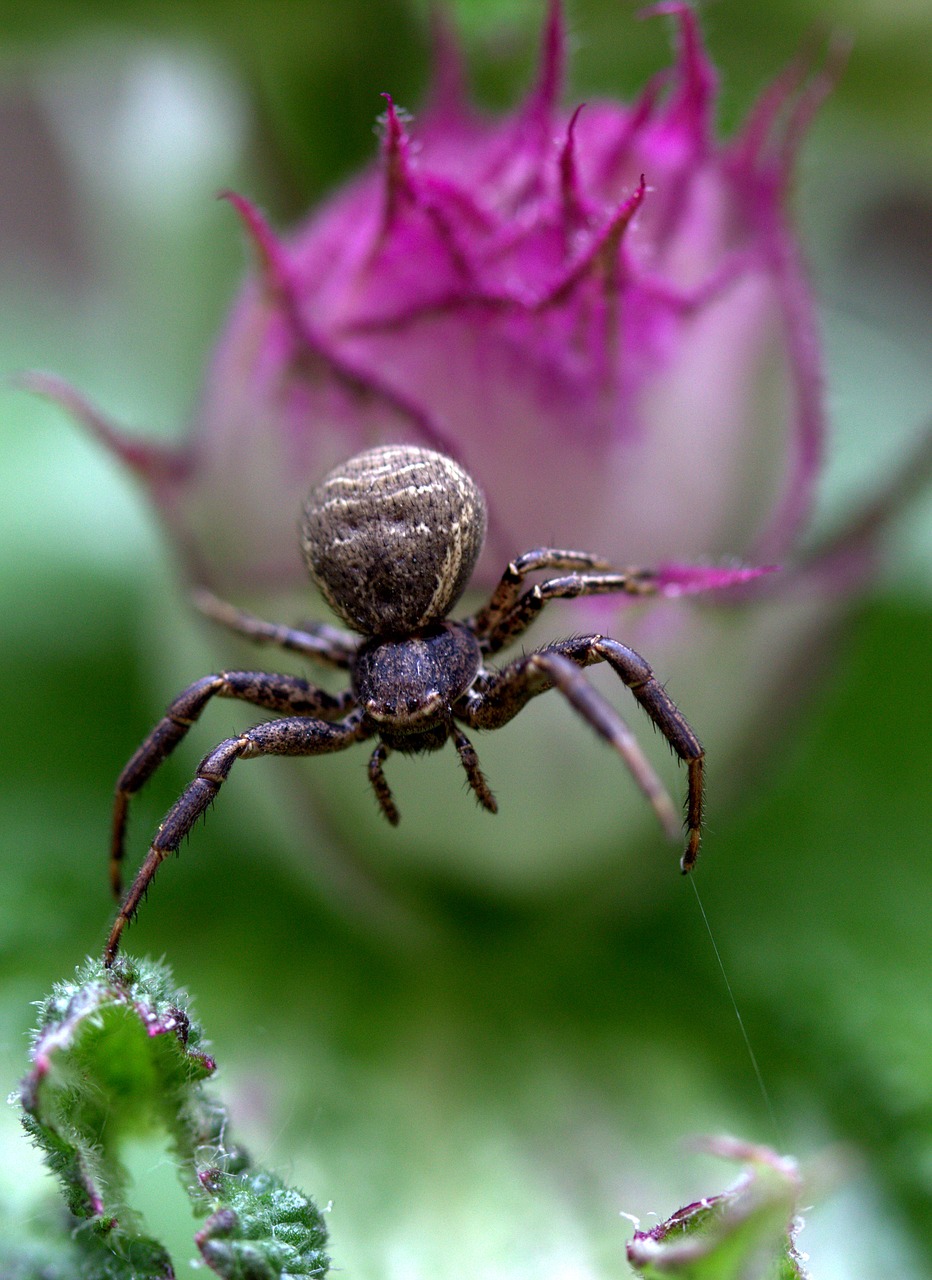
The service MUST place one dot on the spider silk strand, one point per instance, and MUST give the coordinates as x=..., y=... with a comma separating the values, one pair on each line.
x=765, y=1095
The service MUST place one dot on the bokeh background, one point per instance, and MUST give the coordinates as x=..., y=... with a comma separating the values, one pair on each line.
x=487, y=1093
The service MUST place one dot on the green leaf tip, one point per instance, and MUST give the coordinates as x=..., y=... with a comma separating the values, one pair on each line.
x=745, y=1233
x=265, y=1230
x=117, y=1053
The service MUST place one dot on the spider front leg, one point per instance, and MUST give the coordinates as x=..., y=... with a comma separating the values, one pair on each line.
x=509, y=613
x=282, y=693
x=293, y=736
x=505, y=693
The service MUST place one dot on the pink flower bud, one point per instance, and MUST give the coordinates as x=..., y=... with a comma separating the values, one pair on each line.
x=600, y=311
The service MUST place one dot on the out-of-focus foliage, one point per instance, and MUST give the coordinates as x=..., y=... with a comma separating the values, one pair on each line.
x=117, y=1052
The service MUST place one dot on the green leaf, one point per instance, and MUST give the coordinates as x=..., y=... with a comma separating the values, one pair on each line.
x=117, y=1055
x=745, y=1233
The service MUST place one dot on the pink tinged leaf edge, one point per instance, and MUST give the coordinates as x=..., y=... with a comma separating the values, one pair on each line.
x=680, y=1242
x=448, y=105
x=760, y=160
x=545, y=95
x=690, y=579
x=602, y=252
x=693, y=100
x=160, y=467
x=571, y=197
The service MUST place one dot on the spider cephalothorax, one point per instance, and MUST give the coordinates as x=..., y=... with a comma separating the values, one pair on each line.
x=391, y=538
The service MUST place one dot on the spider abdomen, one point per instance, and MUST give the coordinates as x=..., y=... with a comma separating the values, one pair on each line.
x=392, y=536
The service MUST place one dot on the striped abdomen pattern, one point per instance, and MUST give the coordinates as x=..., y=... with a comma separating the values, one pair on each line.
x=392, y=536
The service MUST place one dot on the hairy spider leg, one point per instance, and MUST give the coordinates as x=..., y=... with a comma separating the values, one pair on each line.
x=508, y=691
x=322, y=642
x=503, y=694
x=291, y=736
x=468, y=759
x=477, y=779
x=509, y=613
x=506, y=593
x=383, y=792
x=282, y=693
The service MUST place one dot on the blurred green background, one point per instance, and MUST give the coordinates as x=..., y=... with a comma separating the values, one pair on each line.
x=504, y=1082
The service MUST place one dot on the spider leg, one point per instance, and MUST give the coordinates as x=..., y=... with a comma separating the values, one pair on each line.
x=381, y=788
x=292, y=736
x=509, y=613
x=500, y=697
x=321, y=642
x=283, y=693
x=470, y=762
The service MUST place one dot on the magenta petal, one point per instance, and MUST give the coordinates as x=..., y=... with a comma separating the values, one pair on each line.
x=689, y=579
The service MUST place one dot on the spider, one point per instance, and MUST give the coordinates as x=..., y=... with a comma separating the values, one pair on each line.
x=391, y=538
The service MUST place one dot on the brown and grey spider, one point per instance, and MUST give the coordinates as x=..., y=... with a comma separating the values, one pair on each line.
x=391, y=538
